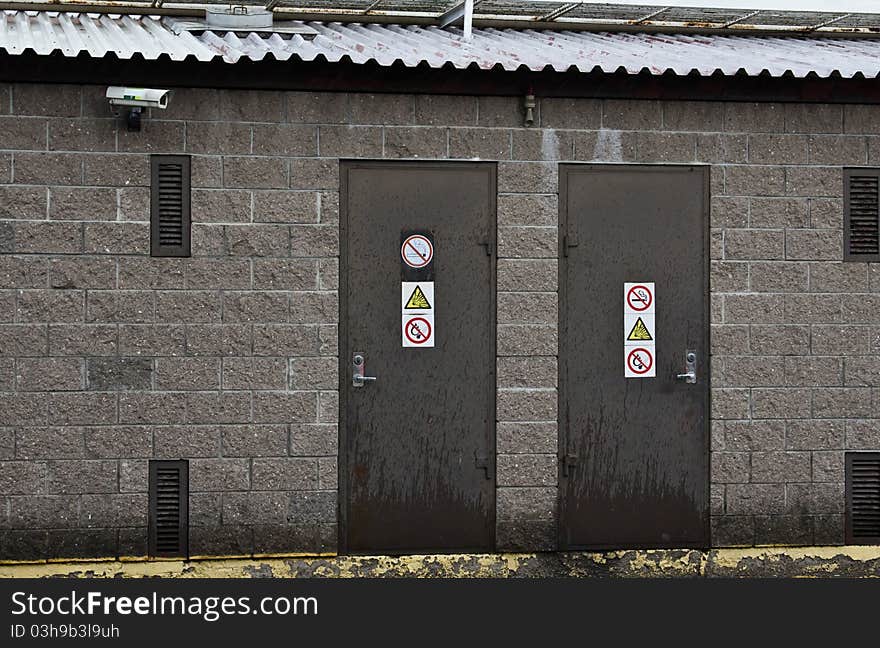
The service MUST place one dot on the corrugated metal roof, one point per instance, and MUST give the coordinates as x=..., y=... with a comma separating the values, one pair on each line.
x=100, y=35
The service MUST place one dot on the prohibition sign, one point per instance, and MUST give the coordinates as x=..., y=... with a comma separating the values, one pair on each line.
x=417, y=330
x=417, y=251
x=639, y=298
x=640, y=360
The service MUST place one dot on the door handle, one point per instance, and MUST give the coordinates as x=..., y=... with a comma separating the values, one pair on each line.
x=358, y=379
x=690, y=368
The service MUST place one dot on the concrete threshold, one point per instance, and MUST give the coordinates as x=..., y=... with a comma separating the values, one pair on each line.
x=761, y=562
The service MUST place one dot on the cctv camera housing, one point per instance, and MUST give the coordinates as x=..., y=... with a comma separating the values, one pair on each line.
x=138, y=97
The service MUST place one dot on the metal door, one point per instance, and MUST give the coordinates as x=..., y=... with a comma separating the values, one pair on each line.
x=417, y=444
x=634, y=468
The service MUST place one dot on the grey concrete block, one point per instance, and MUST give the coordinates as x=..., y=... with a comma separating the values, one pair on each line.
x=152, y=340
x=754, y=180
x=776, y=467
x=526, y=503
x=730, y=403
x=255, y=306
x=526, y=438
x=779, y=212
x=80, y=408
x=23, y=477
x=779, y=149
x=730, y=467
x=189, y=307
x=136, y=306
x=285, y=139
x=187, y=374
x=842, y=402
x=526, y=470
x=48, y=168
x=754, y=244
x=211, y=475
x=774, y=403
x=45, y=238
x=218, y=407
x=69, y=477
x=751, y=436
x=780, y=340
x=285, y=474
x=778, y=277
x=813, y=371
x=174, y=442
x=218, y=340
x=445, y=110
x=862, y=435
x=23, y=272
x=280, y=407
x=122, y=441
x=220, y=206
x=284, y=340
x=255, y=508
x=254, y=440
x=227, y=138
x=314, y=307
x=49, y=374
x=152, y=408
x=754, y=117
x=350, y=141
x=416, y=142
x=813, y=118
x=755, y=499
x=807, y=499
x=116, y=238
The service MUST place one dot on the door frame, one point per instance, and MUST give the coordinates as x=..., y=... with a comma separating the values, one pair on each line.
x=345, y=166
x=563, y=429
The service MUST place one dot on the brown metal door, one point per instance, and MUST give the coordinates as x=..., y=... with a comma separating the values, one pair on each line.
x=417, y=444
x=633, y=451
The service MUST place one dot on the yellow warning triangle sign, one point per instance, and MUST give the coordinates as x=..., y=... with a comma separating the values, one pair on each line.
x=639, y=332
x=418, y=300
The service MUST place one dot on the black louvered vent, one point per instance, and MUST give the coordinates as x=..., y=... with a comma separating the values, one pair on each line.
x=863, y=497
x=862, y=212
x=169, y=509
x=170, y=206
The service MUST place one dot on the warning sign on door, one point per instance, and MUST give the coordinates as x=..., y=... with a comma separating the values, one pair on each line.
x=639, y=362
x=638, y=297
x=639, y=334
x=417, y=311
x=418, y=330
x=640, y=327
x=417, y=295
x=417, y=251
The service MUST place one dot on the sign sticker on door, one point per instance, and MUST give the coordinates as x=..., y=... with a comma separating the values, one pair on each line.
x=418, y=330
x=417, y=296
x=417, y=306
x=639, y=333
x=417, y=251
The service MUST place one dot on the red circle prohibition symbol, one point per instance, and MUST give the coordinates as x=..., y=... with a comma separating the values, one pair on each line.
x=417, y=251
x=642, y=297
x=413, y=329
x=639, y=363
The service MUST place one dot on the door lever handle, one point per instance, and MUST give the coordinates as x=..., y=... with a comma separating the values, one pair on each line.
x=357, y=380
x=357, y=377
x=690, y=368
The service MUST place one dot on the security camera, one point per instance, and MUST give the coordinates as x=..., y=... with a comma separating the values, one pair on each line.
x=138, y=97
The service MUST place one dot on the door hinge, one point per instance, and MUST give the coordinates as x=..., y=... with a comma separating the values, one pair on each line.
x=482, y=462
x=569, y=461
x=568, y=241
x=489, y=247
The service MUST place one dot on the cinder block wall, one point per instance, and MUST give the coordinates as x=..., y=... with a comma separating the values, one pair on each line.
x=109, y=358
